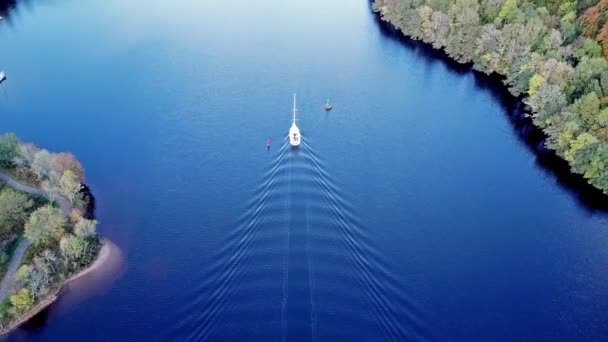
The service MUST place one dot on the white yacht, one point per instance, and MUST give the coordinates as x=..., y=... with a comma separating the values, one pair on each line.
x=294, y=132
x=2, y=76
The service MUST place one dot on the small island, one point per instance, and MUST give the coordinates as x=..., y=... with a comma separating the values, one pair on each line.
x=47, y=234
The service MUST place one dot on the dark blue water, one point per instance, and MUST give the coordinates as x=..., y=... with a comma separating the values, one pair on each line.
x=412, y=211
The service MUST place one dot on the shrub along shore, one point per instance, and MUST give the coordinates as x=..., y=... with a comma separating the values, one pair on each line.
x=48, y=221
x=103, y=255
x=552, y=54
x=49, y=298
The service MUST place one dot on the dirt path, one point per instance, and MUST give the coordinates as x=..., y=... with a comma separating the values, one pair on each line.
x=5, y=286
x=66, y=208
x=64, y=204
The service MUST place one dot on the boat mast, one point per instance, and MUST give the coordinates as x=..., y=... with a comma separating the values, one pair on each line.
x=294, y=108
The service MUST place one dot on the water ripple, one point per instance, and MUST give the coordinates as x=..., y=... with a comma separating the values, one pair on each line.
x=297, y=258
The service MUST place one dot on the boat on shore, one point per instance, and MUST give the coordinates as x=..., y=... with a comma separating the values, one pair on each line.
x=294, y=132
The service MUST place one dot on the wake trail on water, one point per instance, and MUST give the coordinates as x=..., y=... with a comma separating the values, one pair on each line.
x=311, y=283
x=285, y=288
x=377, y=281
x=229, y=262
x=296, y=259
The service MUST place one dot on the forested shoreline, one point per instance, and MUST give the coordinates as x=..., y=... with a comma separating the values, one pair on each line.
x=51, y=214
x=552, y=54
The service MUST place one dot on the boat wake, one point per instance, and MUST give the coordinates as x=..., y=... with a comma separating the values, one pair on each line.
x=297, y=262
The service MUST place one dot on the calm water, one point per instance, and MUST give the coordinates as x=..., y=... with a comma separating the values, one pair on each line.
x=412, y=210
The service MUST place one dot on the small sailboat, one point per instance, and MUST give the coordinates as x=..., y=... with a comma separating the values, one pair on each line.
x=328, y=106
x=268, y=144
x=294, y=131
x=2, y=76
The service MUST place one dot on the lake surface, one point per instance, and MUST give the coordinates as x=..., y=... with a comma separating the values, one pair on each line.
x=413, y=210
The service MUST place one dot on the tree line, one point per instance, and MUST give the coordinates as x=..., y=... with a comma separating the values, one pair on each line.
x=552, y=53
x=60, y=245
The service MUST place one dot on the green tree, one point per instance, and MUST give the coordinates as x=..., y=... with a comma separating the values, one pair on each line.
x=558, y=73
x=567, y=7
x=69, y=185
x=14, y=210
x=8, y=149
x=22, y=301
x=604, y=82
x=581, y=143
x=535, y=83
x=597, y=168
x=73, y=249
x=26, y=153
x=490, y=10
x=586, y=71
x=23, y=274
x=546, y=102
x=439, y=5
x=85, y=228
x=43, y=164
x=589, y=49
x=551, y=44
x=508, y=10
x=569, y=30
x=588, y=107
x=45, y=223
x=464, y=30
x=52, y=187
x=39, y=278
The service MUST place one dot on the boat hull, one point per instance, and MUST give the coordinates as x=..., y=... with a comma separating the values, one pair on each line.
x=294, y=136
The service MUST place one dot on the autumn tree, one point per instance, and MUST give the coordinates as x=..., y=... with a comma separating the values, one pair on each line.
x=67, y=162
